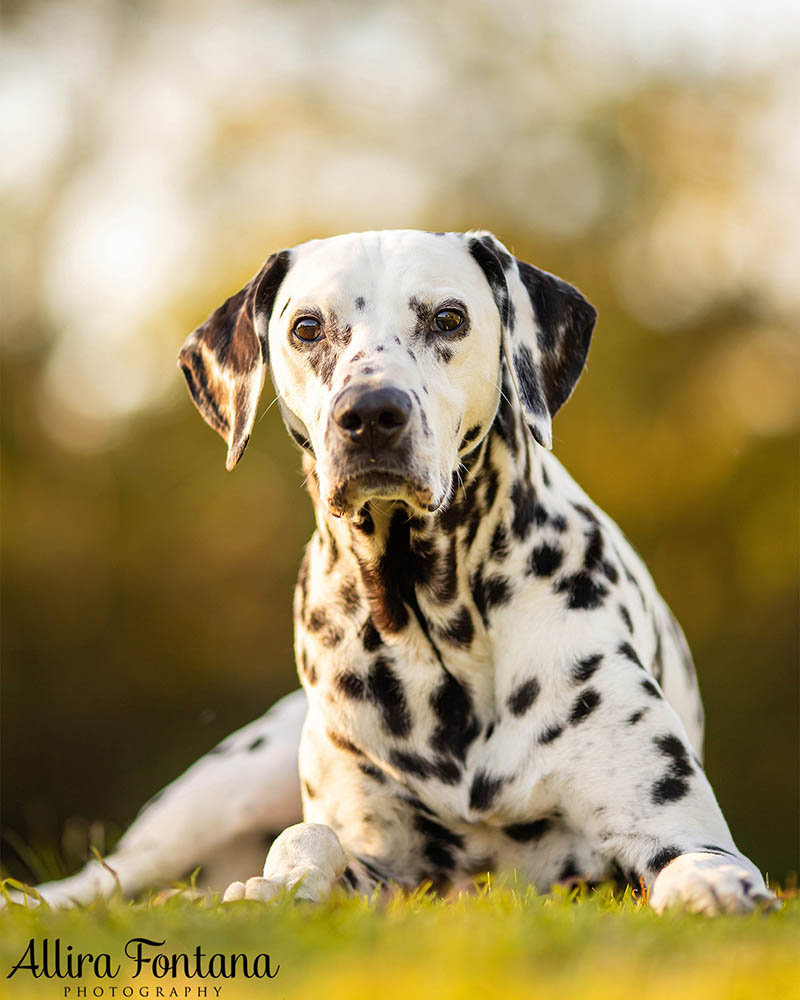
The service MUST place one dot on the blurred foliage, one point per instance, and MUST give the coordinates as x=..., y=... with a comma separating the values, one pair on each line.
x=146, y=592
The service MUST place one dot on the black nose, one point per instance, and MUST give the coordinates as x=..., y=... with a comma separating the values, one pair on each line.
x=371, y=418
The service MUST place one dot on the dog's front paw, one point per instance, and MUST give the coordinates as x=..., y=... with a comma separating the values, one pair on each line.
x=710, y=884
x=307, y=858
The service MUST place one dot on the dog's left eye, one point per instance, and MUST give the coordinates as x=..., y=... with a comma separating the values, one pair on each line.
x=307, y=328
x=447, y=320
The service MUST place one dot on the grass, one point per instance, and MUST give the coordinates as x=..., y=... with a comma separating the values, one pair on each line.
x=503, y=941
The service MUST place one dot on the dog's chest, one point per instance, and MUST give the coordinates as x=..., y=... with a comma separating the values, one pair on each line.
x=425, y=715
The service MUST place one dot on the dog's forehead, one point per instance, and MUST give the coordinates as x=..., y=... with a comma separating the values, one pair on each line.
x=366, y=269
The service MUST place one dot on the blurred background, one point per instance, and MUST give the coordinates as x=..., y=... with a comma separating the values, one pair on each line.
x=153, y=154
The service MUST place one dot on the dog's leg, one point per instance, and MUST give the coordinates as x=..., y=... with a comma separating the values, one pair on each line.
x=241, y=791
x=641, y=795
x=307, y=857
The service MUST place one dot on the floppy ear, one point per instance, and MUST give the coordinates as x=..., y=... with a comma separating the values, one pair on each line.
x=547, y=327
x=225, y=359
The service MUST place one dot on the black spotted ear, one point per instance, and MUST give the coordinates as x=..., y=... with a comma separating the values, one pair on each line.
x=225, y=359
x=547, y=328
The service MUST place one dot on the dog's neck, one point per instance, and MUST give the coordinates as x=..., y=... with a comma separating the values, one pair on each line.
x=394, y=553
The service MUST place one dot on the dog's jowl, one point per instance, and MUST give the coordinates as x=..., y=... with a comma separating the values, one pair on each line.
x=492, y=682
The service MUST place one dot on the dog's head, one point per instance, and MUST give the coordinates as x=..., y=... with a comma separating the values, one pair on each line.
x=386, y=351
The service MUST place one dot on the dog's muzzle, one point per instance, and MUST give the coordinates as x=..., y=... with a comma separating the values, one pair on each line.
x=371, y=448
x=371, y=420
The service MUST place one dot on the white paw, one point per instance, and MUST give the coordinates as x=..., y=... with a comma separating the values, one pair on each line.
x=260, y=889
x=710, y=884
x=307, y=857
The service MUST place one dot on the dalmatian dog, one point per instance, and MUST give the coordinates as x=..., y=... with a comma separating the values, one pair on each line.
x=491, y=681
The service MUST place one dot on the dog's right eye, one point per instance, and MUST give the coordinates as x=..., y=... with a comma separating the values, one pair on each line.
x=307, y=328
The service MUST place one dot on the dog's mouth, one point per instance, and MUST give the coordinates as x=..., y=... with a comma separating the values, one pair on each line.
x=355, y=489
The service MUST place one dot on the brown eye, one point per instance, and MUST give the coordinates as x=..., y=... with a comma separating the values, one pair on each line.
x=307, y=328
x=447, y=320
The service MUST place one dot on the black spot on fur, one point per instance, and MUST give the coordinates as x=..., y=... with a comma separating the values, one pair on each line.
x=371, y=771
x=484, y=790
x=625, y=615
x=523, y=697
x=342, y=743
x=583, y=593
x=485, y=255
x=370, y=638
x=637, y=716
x=551, y=734
x=586, y=668
x=348, y=595
x=447, y=771
x=649, y=688
x=663, y=857
x=351, y=685
x=460, y=631
x=505, y=420
x=436, y=832
x=569, y=870
x=625, y=649
x=322, y=361
x=257, y=743
x=674, y=785
x=457, y=726
x=586, y=513
x=528, y=833
x=360, y=303
x=386, y=690
x=349, y=876
x=545, y=559
x=530, y=388
x=489, y=592
x=307, y=668
x=439, y=856
x=658, y=660
x=586, y=702
x=444, y=354
x=444, y=580
x=470, y=436
x=523, y=498
x=492, y=486
x=499, y=547
x=317, y=620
